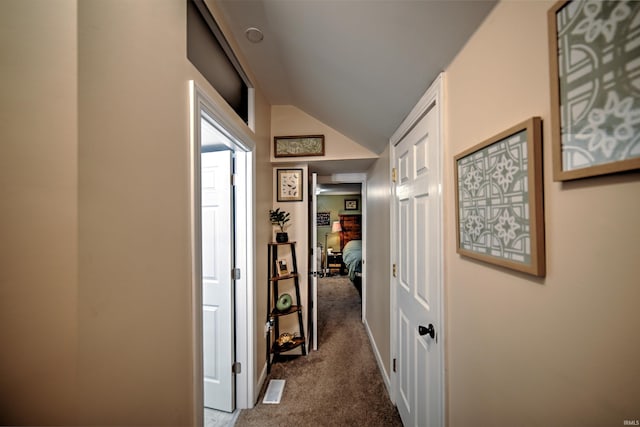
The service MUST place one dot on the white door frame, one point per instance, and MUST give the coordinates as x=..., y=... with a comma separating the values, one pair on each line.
x=313, y=264
x=244, y=146
x=355, y=178
x=432, y=96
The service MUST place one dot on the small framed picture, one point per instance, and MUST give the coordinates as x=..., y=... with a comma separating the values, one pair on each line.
x=324, y=219
x=283, y=269
x=290, y=185
x=351, y=204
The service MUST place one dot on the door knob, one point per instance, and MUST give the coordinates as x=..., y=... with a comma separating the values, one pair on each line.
x=429, y=330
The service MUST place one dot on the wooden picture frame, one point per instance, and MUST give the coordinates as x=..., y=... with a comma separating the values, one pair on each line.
x=283, y=268
x=298, y=146
x=350, y=204
x=595, y=91
x=499, y=200
x=290, y=185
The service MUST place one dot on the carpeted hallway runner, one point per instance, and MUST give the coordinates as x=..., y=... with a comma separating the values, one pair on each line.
x=338, y=385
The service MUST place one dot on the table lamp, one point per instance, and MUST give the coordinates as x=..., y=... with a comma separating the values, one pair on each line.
x=335, y=228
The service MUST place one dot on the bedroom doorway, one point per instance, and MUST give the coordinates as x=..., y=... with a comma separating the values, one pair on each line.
x=339, y=224
x=339, y=221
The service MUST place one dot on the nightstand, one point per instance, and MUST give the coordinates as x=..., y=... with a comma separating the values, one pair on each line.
x=334, y=262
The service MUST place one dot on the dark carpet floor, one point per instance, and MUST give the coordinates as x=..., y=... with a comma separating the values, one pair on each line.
x=338, y=385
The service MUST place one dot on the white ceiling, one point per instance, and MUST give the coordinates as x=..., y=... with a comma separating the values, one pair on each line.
x=359, y=66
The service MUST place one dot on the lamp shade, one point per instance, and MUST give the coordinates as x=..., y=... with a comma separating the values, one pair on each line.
x=335, y=227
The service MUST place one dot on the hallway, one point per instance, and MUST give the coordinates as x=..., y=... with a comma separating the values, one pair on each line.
x=340, y=384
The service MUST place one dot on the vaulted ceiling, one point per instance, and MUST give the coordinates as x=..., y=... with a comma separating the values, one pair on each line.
x=359, y=66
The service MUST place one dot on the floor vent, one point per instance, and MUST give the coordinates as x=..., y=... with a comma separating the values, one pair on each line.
x=274, y=392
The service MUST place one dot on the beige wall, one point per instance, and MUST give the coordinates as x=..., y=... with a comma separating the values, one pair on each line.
x=95, y=276
x=287, y=120
x=562, y=350
x=95, y=282
x=298, y=230
x=134, y=270
x=135, y=307
x=264, y=232
x=378, y=200
x=38, y=213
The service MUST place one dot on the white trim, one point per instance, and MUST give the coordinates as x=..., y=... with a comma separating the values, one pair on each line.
x=393, y=327
x=251, y=122
x=244, y=146
x=216, y=107
x=356, y=178
x=196, y=263
x=342, y=178
x=376, y=353
x=313, y=265
x=363, y=228
x=442, y=336
x=433, y=96
x=261, y=380
x=244, y=295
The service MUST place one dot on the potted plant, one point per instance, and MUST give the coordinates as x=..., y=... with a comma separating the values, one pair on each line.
x=279, y=218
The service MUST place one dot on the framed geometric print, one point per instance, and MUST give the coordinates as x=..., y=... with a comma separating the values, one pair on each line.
x=594, y=51
x=499, y=199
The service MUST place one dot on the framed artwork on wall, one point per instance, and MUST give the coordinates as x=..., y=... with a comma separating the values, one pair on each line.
x=323, y=219
x=290, y=185
x=595, y=88
x=298, y=146
x=283, y=269
x=499, y=199
x=350, y=204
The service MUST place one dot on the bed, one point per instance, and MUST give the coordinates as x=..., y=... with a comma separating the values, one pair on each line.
x=352, y=259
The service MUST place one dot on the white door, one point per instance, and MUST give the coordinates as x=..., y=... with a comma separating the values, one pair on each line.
x=417, y=281
x=313, y=262
x=217, y=285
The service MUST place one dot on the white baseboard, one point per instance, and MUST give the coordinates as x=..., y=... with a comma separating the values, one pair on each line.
x=258, y=388
x=376, y=352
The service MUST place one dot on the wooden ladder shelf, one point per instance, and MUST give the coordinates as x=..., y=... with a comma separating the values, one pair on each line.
x=275, y=276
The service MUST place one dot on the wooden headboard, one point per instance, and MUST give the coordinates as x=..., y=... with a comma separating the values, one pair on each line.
x=351, y=229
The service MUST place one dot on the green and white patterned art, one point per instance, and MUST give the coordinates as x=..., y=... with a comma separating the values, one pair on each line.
x=598, y=46
x=499, y=199
x=298, y=146
x=493, y=200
